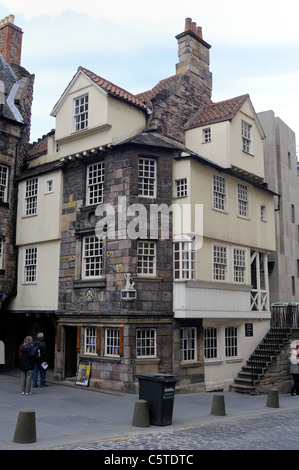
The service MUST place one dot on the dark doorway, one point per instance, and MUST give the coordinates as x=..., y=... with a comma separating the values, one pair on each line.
x=70, y=351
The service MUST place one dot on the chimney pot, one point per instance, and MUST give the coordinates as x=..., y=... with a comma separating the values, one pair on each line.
x=199, y=31
x=193, y=27
x=188, y=22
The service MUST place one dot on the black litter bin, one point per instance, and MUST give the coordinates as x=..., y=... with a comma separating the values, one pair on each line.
x=158, y=391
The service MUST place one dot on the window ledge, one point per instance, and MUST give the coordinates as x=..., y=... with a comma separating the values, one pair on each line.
x=213, y=362
x=96, y=358
x=89, y=283
x=233, y=359
x=248, y=153
x=148, y=360
x=191, y=364
x=84, y=133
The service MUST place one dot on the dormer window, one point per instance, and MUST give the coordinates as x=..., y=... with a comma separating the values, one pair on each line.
x=81, y=113
x=246, y=137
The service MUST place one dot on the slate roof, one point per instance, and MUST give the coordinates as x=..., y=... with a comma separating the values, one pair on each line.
x=217, y=112
x=10, y=82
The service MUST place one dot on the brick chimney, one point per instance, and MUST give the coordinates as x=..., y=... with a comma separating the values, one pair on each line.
x=194, y=54
x=10, y=40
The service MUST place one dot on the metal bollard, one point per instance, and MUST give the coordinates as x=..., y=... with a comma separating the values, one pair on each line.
x=141, y=414
x=272, y=400
x=25, y=432
x=218, y=406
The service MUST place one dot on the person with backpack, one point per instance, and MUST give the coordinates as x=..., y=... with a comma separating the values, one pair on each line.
x=26, y=359
x=40, y=361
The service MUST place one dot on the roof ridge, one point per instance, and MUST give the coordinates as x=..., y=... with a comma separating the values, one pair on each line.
x=218, y=111
x=113, y=89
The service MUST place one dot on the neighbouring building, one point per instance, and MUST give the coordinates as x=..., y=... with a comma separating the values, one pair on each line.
x=110, y=260
x=16, y=94
x=281, y=170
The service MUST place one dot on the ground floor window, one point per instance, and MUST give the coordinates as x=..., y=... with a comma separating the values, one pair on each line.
x=90, y=341
x=188, y=344
x=210, y=343
x=146, y=342
x=231, y=341
x=112, y=342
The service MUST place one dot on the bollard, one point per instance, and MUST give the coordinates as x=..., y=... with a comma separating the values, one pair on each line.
x=272, y=400
x=141, y=414
x=218, y=405
x=25, y=432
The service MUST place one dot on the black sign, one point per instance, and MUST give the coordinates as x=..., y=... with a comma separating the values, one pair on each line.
x=248, y=329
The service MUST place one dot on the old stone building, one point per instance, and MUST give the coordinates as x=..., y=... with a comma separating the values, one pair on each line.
x=105, y=262
x=16, y=94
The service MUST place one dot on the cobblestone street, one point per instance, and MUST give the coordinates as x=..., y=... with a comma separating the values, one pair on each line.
x=274, y=431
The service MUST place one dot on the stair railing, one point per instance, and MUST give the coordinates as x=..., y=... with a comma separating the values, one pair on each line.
x=283, y=318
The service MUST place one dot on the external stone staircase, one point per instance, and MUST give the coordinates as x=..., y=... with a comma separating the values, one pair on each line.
x=262, y=359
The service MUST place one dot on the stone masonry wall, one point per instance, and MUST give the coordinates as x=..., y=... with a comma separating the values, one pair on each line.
x=278, y=374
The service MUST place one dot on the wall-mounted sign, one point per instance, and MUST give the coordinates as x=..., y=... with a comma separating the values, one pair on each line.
x=248, y=329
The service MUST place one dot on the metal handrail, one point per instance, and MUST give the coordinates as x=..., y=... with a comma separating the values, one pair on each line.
x=284, y=317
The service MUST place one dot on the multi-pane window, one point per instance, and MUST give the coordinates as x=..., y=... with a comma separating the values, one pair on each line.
x=246, y=137
x=1, y=253
x=219, y=193
x=146, y=342
x=112, y=341
x=3, y=183
x=181, y=187
x=146, y=258
x=219, y=262
x=31, y=191
x=81, y=113
x=242, y=200
x=184, y=260
x=188, y=346
x=239, y=260
x=49, y=186
x=90, y=340
x=30, y=265
x=206, y=135
x=92, y=260
x=147, y=177
x=231, y=341
x=210, y=343
x=263, y=213
x=95, y=183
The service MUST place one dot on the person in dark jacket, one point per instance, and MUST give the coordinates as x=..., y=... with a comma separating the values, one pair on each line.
x=40, y=361
x=26, y=356
x=294, y=370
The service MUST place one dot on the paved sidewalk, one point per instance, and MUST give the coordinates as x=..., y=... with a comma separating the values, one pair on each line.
x=68, y=414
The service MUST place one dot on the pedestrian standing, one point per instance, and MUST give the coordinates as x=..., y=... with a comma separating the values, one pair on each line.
x=26, y=357
x=294, y=370
x=41, y=363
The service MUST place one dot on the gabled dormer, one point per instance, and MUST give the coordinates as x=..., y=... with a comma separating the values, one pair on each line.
x=93, y=112
x=229, y=134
